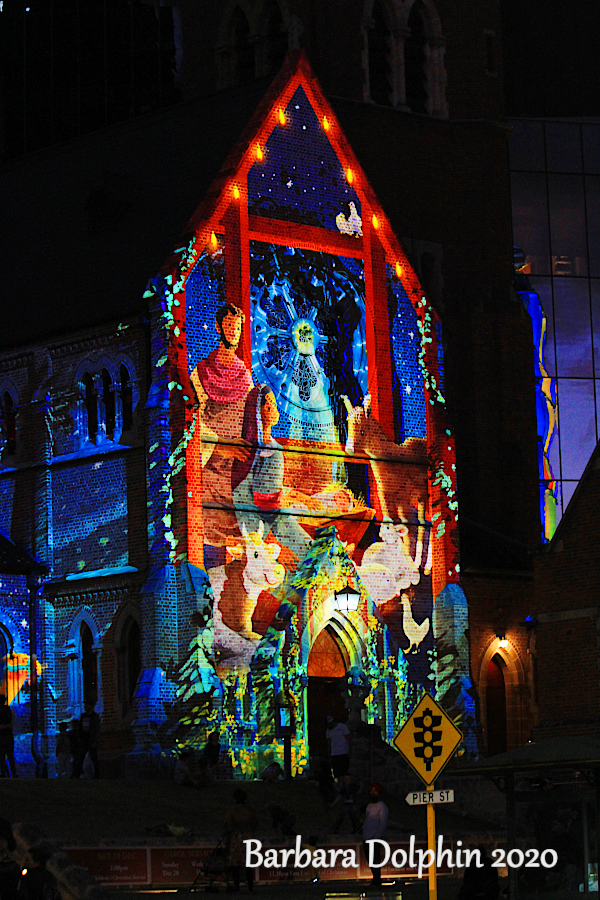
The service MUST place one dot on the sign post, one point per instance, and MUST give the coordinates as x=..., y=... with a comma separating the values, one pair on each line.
x=427, y=741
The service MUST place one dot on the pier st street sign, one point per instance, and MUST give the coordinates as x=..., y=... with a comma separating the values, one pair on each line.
x=428, y=739
x=420, y=798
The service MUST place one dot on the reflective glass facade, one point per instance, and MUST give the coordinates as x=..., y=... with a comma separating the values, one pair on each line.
x=555, y=175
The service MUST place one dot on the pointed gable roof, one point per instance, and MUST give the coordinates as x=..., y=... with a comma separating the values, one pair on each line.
x=295, y=98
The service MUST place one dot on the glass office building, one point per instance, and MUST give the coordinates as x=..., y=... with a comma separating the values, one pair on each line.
x=555, y=178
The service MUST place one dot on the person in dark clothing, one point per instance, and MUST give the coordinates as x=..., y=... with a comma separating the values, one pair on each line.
x=9, y=870
x=89, y=738
x=7, y=739
x=240, y=823
x=211, y=754
x=36, y=882
x=326, y=782
x=480, y=882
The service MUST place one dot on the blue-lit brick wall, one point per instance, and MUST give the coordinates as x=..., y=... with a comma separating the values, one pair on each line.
x=89, y=506
x=406, y=342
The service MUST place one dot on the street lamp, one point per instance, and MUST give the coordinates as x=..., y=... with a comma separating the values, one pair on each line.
x=347, y=599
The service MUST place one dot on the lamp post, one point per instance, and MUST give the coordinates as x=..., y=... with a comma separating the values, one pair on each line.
x=347, y=599
x=284, y=728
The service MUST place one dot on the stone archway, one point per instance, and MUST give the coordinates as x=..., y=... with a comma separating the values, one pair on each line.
x=505, y=661
x=335, y=648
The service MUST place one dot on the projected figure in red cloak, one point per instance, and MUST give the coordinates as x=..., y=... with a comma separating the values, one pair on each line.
x=222, y=383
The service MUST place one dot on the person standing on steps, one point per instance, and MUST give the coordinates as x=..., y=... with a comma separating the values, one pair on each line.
x=374, y=826
x=339, y=743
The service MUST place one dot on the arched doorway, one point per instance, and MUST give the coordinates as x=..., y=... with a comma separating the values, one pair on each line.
x=4, y=654
x=327, y=665
x=89, y=664
x=495, y=705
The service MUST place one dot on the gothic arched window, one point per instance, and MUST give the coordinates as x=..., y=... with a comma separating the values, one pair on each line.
x=4, y=655
x=89, y=664
x=9, y=423
x=415, y=60
x=380, y=69
x=495, y=704
x=126, y=397
x=243, y=48
x=131, y=660
x=90, y=402
x=275, y=39
x=108, y=400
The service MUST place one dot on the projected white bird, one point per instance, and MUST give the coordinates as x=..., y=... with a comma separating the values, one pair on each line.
x=414, y=632
x=350, y=225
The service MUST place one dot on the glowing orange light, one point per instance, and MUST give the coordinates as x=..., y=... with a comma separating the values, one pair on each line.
x=326, y=124
x=375, y=221
x=259, y=153
x=349, y=176
x=213, y=240
x=281, y=117
x=236, y=192
x=398, y=269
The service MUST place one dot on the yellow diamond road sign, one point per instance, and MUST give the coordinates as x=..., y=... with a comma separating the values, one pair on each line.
x=428, y=739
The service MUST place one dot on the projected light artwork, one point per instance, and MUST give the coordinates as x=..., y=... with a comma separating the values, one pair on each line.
x=313, y=461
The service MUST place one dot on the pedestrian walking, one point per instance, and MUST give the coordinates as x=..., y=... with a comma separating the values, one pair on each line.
x=240, y=823
x=344, y=804
x=480, y=882
x=89, y=738
x=374, y=826
x=9, y=870
x=63, y=752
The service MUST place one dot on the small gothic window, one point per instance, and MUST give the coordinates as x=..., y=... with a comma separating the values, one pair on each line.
x=108, y=399
x=91, y=405
x=243, y=49
x=415, y=60
x=490, y=53
x=276, y=40
x=132, y=659
x=89, y=666
x=126, y=398
x=380, y=72
x=9, y=423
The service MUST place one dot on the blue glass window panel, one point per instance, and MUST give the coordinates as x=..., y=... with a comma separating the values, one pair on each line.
x=300, y=178
x=568, y=489
x=577, y=424
x=205, y=292
x=543, y=288
x=597, y=386
x=530, y=219
x=572, y=324
x=595, y=290
x=591, y=148
x=592, y=201
x=526, y=146
x=406, y=343
x=567, y=225
x=563, y=147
